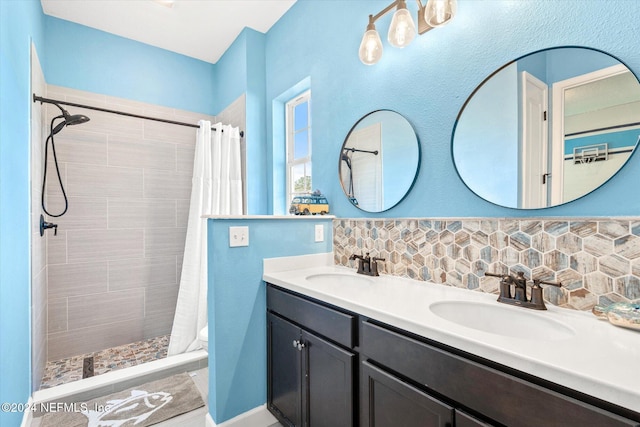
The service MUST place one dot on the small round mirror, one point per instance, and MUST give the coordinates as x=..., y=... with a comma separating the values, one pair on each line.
x=548, y=128
x=379, y=161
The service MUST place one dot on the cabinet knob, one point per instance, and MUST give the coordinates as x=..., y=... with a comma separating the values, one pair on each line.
x=296, y=343
x=301, y=345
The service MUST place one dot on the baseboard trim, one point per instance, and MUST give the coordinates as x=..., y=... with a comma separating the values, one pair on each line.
x=256, y=417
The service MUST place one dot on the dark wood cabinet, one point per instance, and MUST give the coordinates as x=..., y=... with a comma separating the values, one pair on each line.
x=310, y=378
x=388, y=401
x=465, y=420
x=499, y=396
x=285, y=370
x=329, y=382
x=329, y=367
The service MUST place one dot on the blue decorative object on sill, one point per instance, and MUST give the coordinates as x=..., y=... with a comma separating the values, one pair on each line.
x=623, y=314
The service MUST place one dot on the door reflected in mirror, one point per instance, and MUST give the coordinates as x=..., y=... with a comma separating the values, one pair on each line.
x=379, y=161
x=548, y=128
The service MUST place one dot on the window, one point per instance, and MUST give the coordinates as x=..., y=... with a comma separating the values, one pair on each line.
x=298, y=118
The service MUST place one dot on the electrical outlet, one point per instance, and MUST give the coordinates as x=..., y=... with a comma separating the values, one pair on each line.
x=238, y=236
x=319, y=233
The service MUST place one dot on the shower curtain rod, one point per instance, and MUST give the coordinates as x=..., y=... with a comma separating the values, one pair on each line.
x=121, y=113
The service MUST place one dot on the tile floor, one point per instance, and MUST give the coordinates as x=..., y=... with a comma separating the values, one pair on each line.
x=70, y=369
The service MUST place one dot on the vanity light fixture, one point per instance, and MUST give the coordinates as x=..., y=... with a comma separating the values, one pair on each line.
x=402, y=30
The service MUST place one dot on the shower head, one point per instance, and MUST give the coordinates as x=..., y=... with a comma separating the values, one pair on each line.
x=68, y=120
x=76, y=119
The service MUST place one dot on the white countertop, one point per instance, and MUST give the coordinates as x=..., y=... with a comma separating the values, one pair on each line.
x=599, y=359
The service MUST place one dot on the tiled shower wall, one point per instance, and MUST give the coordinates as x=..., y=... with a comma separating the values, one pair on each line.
x=597, y=260
x=114, y=266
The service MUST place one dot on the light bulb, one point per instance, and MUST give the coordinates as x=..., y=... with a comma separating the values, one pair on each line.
x=439, y=12
x=371, y=47
x=402, y=30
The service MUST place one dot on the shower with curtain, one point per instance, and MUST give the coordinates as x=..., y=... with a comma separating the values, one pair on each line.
x=129, y=254
x=216, y=190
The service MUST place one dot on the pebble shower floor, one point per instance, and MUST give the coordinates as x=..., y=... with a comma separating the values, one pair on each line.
x=69, y=369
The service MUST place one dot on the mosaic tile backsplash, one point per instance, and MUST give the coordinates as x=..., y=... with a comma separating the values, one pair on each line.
x=597, y=260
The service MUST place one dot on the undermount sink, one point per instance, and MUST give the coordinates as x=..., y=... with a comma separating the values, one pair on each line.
x=502, y=320
x=339, y=278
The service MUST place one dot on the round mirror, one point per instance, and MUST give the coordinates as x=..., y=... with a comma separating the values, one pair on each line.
x=548, y=128
x=379, y=161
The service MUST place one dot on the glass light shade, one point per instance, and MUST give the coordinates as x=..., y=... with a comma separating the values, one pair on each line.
x=402, y=30
x=370, y=48
x=439, y=12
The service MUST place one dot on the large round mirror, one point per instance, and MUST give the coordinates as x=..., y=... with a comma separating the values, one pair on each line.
x=548, y=128
x=379, y=161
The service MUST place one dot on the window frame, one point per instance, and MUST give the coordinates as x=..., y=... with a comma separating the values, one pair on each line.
x=290, y=107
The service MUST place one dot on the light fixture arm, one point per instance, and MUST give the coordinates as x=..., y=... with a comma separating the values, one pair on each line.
x=374, y=18
x=423, y=27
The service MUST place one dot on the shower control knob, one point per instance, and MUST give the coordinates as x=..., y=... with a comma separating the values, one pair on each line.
x=44, y=225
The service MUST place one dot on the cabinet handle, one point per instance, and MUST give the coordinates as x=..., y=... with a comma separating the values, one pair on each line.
x=298, y=344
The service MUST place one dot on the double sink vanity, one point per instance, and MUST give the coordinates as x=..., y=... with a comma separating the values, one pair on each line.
x=347, y=349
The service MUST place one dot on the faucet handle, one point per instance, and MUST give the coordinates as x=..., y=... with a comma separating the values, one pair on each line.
x=374, y=265
x=538, y=282
x=506, y=277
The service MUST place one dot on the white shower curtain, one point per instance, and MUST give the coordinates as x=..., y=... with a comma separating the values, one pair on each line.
x=216, y=190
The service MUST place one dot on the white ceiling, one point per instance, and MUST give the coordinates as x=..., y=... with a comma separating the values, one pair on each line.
x=201, y=29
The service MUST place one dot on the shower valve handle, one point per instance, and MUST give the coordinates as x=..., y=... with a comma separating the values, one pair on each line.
x=44, y=225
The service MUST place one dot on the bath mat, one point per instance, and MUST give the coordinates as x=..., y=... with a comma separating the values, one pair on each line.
x=139, y=406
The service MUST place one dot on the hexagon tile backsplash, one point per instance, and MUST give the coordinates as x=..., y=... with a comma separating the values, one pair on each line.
x=597, y=260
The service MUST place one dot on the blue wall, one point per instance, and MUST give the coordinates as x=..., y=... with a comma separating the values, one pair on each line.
x=20, y=23
x=315, y=42
x=242, y=70
x=429, y=81
x=83, y=58
x=237, y=306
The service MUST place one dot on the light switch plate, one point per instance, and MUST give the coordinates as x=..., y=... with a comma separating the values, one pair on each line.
x=238, y=236
x=319, y=233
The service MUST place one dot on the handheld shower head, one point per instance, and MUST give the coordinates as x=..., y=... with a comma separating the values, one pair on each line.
x=76, y=119
x=68, y=120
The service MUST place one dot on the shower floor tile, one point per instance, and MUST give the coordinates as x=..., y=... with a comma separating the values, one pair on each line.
x=66, y=370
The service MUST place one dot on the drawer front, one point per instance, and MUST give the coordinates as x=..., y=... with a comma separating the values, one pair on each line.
x=499, y=396
x=326, y=321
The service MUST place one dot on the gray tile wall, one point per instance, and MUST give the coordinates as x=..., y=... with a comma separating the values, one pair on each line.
x=38, y=244
x=597, y=260
x=114, y=268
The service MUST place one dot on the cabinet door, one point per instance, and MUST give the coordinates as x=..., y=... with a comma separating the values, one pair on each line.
x=465, y=420
x=388, y=401
x=329, y=380
x=284, y=385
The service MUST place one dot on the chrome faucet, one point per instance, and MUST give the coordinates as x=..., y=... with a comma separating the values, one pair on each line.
x=366, y=264
x=519, y=296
